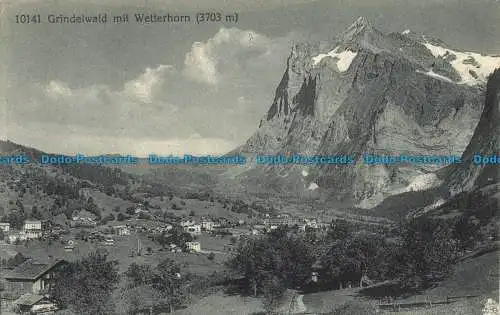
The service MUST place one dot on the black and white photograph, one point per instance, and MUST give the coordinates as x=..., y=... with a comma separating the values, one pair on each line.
x=249, y=157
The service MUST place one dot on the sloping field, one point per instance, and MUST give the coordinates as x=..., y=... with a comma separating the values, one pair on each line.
x=223, y=305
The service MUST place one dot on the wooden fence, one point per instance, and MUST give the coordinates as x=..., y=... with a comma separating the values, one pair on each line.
x=395, y=305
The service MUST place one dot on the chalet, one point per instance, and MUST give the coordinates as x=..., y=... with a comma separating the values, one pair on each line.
x=193, y=246
x=35, y=304
x=84, y=222
x=5, y=226
x=121, y=230
x=32, y=225
x=32, y=276
x=193, y=229
x=33, y=229
x=281, y=221
x=311, y=223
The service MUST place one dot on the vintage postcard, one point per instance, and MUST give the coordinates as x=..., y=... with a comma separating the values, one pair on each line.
x=251, y=157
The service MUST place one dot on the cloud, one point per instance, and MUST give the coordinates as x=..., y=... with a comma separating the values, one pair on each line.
x=200, y=65
x=229, y=53
x=143, y=89
x=56, y=89
x=146, y=86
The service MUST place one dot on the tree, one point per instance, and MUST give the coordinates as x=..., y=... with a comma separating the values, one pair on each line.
x=35, y=213
x=16, y=260
x=91, y=207
x=85, y=286
x=427, y=253
x=274, y=290
x=138, y=275
x=121, y=217
x=161, y=288
x=15, y=219
x=211, y=256
x=20, y=206
x=280, y=255
x=168, y=282
x=108, y=218
x=2, y=235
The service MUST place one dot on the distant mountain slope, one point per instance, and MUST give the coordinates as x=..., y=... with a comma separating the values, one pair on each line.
x=367, y=92
x=99, y=175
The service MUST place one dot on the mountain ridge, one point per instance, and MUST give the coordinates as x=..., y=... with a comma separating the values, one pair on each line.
x=371, y=92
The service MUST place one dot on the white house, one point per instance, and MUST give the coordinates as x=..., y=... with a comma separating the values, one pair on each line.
x=312, y=223
x=193, y=229
x=193, y=246
x=34, y=225
x=121, y=230
x=5, y=226
x=33, y=229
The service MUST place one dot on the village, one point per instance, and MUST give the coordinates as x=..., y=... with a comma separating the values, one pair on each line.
x=200, y=243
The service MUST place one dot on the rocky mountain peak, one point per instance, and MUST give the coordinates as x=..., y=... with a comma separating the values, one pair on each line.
x=385, y=94
x=356, y=29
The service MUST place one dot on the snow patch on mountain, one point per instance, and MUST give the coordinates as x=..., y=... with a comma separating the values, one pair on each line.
x=405, y=32
x=436, y=76
x=372, y=201
x=436, y=204
x=474, y=68
x=344, y=61
x=313, y=186
x=423, y=182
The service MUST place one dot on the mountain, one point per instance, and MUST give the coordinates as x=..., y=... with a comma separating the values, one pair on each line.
x=485, y=142
x=366, y=92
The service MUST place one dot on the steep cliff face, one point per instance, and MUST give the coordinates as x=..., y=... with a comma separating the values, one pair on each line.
x=368, y=92
x=485, y=142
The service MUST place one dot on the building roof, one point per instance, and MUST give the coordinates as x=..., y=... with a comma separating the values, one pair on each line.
x=32, y=269
x=32, y=222
x=29, y=299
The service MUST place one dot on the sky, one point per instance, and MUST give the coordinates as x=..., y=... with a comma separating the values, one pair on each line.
x=185, y=88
